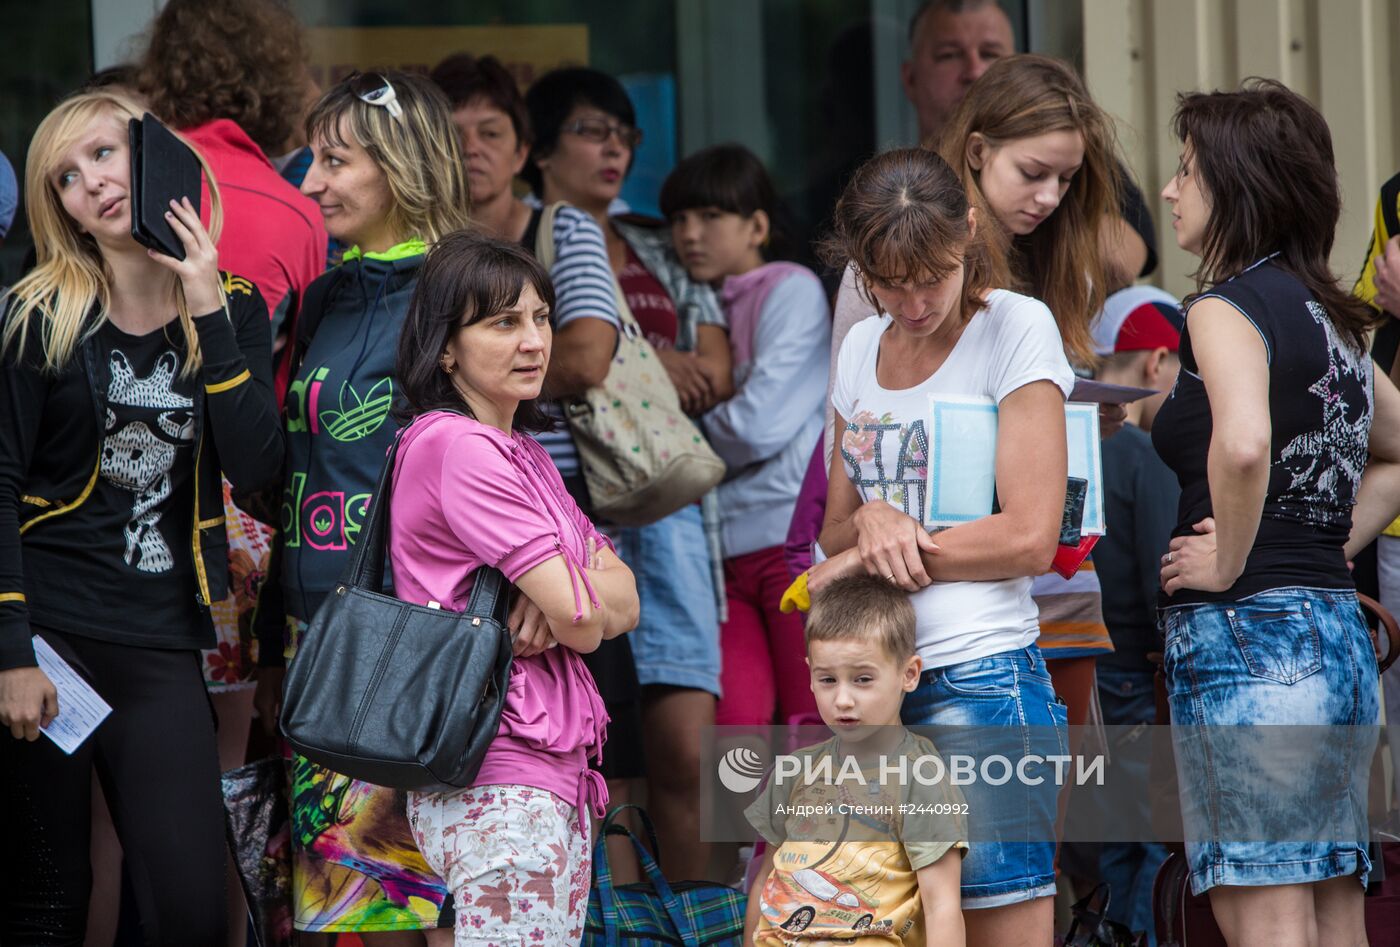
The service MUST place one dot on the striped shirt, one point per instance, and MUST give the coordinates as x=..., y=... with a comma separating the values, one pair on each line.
x=583, y=289
x=1071, y=614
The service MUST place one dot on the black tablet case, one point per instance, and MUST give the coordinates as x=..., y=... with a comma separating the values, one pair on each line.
x=163, y=168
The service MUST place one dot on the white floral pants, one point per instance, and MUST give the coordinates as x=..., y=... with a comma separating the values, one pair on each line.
x=513, y=857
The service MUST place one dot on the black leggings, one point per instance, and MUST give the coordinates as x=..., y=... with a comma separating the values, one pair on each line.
x=158, y=761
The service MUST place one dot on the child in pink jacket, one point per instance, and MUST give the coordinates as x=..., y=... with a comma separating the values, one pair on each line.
x=721, y=205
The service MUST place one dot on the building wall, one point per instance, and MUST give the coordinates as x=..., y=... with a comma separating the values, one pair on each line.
x=1341, y=54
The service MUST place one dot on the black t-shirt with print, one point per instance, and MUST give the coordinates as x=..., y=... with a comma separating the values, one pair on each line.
x=1320, y=407
x=129, y=541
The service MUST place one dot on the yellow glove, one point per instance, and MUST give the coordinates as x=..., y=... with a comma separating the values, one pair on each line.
x=796, y=597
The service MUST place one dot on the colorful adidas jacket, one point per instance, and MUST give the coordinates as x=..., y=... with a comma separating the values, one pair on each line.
x=338, y=425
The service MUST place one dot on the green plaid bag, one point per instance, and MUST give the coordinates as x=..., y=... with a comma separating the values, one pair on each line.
x=688, y=913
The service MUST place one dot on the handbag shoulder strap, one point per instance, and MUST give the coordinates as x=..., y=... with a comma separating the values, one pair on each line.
x=630, y=326
x=545, y=252
x=489, y=597
x=681, y=925
x=544, y=235
x=366, y=568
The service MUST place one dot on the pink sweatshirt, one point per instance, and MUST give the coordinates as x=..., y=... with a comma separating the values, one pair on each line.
x=466, y=495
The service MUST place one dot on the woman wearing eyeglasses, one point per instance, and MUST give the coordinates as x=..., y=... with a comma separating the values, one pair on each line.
x=585, y=136
x=387, y=174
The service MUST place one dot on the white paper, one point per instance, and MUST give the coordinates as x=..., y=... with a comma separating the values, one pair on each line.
x=80, y=709
x=962, y=454
x=962, y=460
x=1101, y=392
x=1086, y=461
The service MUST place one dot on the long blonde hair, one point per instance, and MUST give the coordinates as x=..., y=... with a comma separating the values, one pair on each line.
x=1061, y=261
x=419, y=152
x=71, y=273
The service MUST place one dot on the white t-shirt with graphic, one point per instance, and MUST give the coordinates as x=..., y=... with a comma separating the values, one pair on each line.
x=1007, y=345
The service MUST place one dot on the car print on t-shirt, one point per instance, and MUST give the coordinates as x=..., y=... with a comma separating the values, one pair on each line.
x=801, y=887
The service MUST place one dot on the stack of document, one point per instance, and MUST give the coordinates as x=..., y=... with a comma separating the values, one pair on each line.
x=963, y=455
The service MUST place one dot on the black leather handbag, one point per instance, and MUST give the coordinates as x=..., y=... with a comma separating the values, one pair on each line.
x=394, y=693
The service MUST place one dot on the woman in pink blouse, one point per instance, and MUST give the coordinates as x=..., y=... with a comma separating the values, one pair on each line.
x=472, y=488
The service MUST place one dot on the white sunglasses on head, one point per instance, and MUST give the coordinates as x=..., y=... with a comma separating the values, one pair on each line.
x=373, y=89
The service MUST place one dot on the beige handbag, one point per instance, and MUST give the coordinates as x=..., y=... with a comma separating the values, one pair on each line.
x=642, y=458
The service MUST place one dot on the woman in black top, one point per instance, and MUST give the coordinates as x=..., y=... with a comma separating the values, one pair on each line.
x=129, y=382
x=1275, y=417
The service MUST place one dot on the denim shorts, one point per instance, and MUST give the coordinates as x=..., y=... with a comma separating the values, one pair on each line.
x=676, y=643
x=1274, y=704
x=1011, y=827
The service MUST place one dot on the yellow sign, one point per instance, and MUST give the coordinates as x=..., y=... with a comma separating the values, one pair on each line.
x=527, y=51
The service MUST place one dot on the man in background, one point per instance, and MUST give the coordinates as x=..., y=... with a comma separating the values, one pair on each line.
x=951, y=43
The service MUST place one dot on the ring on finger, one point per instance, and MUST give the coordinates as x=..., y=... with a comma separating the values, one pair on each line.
x=1169, y=558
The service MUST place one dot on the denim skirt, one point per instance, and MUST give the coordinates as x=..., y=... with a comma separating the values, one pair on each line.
x=1275, y=705
x=1001, y=705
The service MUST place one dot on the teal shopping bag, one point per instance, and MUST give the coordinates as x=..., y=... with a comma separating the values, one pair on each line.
x=688, y=913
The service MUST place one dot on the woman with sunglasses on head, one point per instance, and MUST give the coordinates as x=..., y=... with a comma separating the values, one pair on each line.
x=585, y=137
x=387, y=174
x=129, y=382
x=1286, y=441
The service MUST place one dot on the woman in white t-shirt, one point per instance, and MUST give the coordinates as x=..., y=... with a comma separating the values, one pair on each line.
x=905, y=223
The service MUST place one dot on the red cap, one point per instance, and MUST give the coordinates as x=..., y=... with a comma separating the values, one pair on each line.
x=1135, y=319
x=1148, y=327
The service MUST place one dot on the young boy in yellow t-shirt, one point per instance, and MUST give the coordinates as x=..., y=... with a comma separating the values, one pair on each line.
x=856, y=854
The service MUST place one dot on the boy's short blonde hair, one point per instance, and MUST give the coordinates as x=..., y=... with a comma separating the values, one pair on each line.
x=863, y=608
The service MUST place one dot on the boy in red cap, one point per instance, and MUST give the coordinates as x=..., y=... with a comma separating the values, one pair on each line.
x=1137, y=335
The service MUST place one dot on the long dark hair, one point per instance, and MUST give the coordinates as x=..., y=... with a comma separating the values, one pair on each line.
x=903, y=217
x=465, y=273
x=1264, y=159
